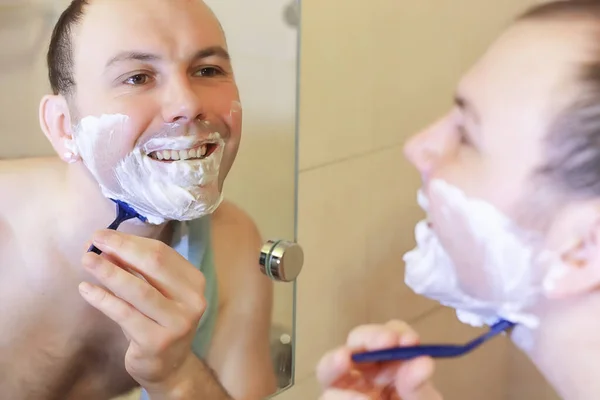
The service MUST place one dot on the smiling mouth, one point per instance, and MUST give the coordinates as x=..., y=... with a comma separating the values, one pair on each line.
x=197, y=153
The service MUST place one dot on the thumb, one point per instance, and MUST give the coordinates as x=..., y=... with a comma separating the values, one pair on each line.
x=413, y=381
x=333, y=366
x=338, y=394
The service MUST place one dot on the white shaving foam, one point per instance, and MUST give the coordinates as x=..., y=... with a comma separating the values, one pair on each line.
x=180, y=190
x=503, y=273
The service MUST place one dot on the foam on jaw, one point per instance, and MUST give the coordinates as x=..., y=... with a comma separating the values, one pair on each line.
x=159, y=191
x=507, y=277
x=92, y=127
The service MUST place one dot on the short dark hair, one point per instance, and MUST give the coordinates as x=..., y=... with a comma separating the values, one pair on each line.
x=571, y=163
x=60, y=50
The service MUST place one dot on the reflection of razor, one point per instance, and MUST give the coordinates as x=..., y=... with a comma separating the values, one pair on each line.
x=124, y=212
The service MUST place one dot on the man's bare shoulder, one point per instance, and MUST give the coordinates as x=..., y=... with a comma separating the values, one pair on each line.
x=13, y=175
x=236, y=223
x=235, y=235
x=28, y=183
x=237, y=244
x=25, y=177
x=6, y=196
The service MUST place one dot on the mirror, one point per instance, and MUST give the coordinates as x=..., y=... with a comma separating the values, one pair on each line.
x=262, y=41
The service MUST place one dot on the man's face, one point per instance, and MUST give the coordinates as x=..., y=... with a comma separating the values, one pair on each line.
x=491, y=142
x=159, y=62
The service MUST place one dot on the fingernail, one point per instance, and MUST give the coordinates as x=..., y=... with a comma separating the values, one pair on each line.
x=384, y=339
x=340, y=358
x=85, y=288
x=107, y=238
x=409, y=339
x=101, y=237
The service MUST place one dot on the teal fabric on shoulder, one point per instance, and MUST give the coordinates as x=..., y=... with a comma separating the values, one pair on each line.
x=193, y=241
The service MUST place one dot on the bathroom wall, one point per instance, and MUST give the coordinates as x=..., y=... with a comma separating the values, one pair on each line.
x=23, y=77
x=371, y=75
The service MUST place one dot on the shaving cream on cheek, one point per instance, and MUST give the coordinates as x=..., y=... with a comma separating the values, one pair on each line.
x=486, y=268
x=101, y=142
x=160, y=191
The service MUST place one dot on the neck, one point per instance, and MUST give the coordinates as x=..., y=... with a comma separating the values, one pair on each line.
x=85, y=210
x=566, y=346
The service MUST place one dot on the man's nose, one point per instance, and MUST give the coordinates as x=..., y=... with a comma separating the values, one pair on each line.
x=183, y=102
x=426, y=149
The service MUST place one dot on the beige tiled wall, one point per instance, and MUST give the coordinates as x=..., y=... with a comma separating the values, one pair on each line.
x=371, y=74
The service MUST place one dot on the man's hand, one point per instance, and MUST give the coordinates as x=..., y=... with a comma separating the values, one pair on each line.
x=343, y=380
x=159, y=314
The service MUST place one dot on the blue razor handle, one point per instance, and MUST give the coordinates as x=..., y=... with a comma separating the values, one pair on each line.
x=435, y=351
x=124, y=212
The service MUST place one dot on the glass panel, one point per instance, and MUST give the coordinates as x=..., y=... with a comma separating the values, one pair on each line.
x=262, y=41
x=262, y=38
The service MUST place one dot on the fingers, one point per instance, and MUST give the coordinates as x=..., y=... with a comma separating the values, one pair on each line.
x=336, y=370
x=413, y=381
x=339, y=394
x=413, y=378
x=333, y=366
x=376, y=337
x=159, y=264
x=138, y=293
x=403, y=380
x=408, y=336
x=86, y=246
x=151, y=339
x=135, y=325
x=371, y=337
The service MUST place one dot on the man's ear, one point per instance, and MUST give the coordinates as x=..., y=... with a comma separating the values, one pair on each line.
x=55, y=121
x=579, y=271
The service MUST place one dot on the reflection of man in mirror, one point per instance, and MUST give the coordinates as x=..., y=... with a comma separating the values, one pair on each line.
x=145, y=114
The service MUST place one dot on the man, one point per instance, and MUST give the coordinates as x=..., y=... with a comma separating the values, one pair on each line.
x=511, y=185
x=128, y=75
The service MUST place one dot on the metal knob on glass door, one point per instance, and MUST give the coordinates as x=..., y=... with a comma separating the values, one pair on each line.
x=281, y=260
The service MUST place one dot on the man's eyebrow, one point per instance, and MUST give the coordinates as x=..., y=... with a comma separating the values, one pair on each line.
x=132, y=56
x=213, y=51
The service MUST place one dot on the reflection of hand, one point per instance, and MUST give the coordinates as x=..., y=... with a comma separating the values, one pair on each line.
x=158, y=314
x=408, y=380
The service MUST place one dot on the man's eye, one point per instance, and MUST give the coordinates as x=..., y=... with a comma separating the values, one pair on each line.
x=209, y=72
x=139, y=79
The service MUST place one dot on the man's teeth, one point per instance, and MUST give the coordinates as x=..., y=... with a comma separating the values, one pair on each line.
x=175, y=155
